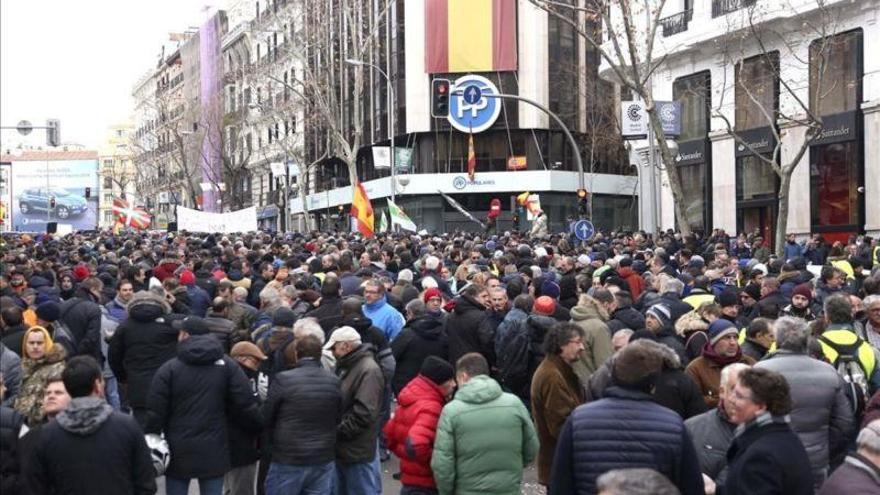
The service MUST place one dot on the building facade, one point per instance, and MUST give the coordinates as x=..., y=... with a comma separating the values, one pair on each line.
x=116, y=172
x=753, y=77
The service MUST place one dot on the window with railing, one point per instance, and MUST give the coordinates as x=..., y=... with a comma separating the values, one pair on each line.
x=722, y=7
x=676, y=23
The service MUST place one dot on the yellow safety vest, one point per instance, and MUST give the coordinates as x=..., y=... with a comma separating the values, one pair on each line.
x=848, y=337
x=741, y=338
x=695, y=300
x=846, y=267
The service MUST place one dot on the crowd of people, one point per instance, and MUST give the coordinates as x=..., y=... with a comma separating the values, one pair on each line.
x=299, y=363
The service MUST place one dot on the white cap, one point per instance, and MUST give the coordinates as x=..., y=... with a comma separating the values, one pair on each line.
x=343, y=334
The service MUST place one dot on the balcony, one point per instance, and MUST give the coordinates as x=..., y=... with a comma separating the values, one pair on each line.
x=677, y=23
x=722, y=7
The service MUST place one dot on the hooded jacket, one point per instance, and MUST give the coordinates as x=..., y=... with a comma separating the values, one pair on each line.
x=626, y=317
x=328, y=314
x=410, y=433
x=634, y=280
x=91, y=449
x=821, y=415
x=362, y=388
x=462, y=327
x=485, y=438
x=422, y=337
x=83, y=317
x=35, y=376
x=190, y=400
x=142, y=343
x=379, y=344
x=591, y=317
x=385, y=317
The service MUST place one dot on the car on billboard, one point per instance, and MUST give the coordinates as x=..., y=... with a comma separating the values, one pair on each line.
x=67, y=204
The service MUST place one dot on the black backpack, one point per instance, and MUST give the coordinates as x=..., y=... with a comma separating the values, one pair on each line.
x=515, y=358
x=850, y=369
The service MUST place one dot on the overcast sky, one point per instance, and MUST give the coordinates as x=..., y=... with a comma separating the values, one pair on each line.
x=77, y=60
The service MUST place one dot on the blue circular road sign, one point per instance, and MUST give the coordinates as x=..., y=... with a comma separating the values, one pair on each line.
x=469, y=108
x=583, y=230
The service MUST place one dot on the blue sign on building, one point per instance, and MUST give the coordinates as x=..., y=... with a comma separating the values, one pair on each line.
x=469, y=108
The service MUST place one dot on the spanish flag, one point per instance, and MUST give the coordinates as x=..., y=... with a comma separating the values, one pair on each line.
x=470, y=36
x=362, y=211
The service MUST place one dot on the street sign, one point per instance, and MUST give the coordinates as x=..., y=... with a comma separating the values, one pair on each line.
x=670, y=117
x=25, y=127
x=479, y=115
x=583, y=230
x=472, y=94
x=633, y=120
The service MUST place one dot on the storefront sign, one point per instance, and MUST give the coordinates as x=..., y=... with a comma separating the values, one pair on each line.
x=633, y=120
x=837, y=128
x=517, y=163
x=760, y=141
x=691, y=152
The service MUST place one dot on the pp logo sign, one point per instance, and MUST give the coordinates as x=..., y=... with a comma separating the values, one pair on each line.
x=470, y=109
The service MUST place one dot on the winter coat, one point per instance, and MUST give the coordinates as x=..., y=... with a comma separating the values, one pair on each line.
x=11, y=423
x=117, y=309
x=199, y=300
x=556, y=392
x=422, y=337
x=35, y=376
x=89, y=448
x=410, y=433
x=302, y=414
x=753, y=349
x=767, y=457
x=634, y=280
x=591, y=317
x=626, y=317
x=83, y=317
x=362, y=388
x=13, y=337
x=165, y=269
x=10, y=367
x=872, y=410
x=677, y=307
x=385, y=317
x=857, y=474
x=513, y=319
x=222, y=329
x=625, y=429
x=142, y=343
x=539, y=227
x=462, y=327
x=821, y=415
x=244, y=448
x=706, y=373
x=792, y=250
x=485, y=438
x=667, y=337
x=191, y=399
x=376, y=338
x=712, y=434
x=328, y=314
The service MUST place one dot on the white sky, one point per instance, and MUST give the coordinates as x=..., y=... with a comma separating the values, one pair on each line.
x=77, y=60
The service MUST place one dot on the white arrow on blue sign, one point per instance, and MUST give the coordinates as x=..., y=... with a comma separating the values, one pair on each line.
x=472, y=94
x=583, y=230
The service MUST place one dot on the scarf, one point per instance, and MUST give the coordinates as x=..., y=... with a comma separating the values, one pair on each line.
x=710, y=354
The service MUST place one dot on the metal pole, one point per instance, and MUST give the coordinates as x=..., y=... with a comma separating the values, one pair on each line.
x=287, y=196
x=48, y=191
x=571, y=141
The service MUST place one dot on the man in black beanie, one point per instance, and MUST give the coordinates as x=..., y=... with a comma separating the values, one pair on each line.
x=410, y=433
x=642, y=433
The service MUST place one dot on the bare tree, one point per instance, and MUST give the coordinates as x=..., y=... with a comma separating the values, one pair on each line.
x=234, y=156
x=771, y=94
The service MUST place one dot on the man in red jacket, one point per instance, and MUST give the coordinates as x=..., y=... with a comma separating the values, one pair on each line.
x=410, y=433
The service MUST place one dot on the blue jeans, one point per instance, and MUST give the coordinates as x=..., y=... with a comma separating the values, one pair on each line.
x=361, y=478
x=207, y=486
x=287, y=479
x=111, y=392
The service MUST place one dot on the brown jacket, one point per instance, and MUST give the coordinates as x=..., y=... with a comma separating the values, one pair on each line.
x=556, y=392
x=707, y=375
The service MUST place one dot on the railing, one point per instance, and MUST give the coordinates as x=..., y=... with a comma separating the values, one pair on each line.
x=677, y=23
x=722, y=7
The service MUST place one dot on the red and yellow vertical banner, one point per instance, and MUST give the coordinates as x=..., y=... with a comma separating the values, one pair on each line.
x=470, y=36
x=472, y=159
x=362, y=211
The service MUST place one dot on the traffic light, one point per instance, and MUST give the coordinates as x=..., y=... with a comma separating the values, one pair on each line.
x=89, y=192
x=440, y=89
x=583, y=202
x=52, y=203
x=53, y=132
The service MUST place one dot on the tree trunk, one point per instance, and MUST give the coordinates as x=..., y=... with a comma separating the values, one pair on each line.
x=782, y=213
x=671, y=171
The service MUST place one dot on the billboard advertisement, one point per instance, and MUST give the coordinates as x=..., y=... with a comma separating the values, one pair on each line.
x=35, y=185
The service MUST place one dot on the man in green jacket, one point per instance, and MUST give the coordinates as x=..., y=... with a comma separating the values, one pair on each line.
x=485, y=437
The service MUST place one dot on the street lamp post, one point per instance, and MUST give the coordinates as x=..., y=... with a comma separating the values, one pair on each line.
x=391, y=129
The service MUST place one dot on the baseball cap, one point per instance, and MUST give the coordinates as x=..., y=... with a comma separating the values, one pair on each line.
x=343, y=334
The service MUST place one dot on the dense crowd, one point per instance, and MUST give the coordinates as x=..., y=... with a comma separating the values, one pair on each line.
x=298, y=363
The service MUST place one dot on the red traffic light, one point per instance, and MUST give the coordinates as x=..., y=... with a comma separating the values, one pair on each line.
x=582, y=193
x=441, y=88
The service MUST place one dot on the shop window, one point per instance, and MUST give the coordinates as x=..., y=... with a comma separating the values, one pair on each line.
x=755, y=178
x=833, y=184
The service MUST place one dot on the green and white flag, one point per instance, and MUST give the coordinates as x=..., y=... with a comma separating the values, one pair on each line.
x=398, y=217
x=383, y=222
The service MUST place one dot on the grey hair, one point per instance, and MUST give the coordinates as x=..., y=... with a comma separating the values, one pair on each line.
x=416, y=308
x=731, y=371
x=240, y=292
x=869, y=437
x=635, y=481
x=792, y=334
x=308, y=326
x=289, y=292
x=872, y=299
x=838, y=309
x=271, y=297
x=673, y=285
